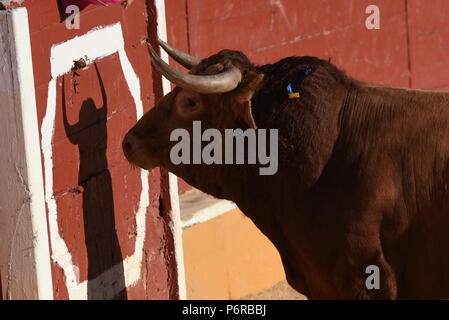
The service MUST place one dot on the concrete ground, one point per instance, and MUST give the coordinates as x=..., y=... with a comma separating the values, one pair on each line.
x=280, y=291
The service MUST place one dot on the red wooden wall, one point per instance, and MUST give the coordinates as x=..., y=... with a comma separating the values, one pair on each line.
x=96, y=190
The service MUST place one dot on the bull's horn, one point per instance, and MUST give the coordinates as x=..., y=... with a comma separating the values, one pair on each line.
x=184, y=59
x=225, y=81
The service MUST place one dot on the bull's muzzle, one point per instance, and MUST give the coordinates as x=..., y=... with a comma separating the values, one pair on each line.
x=130, y=146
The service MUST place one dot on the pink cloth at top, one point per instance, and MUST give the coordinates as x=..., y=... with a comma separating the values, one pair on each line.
x=84, y=3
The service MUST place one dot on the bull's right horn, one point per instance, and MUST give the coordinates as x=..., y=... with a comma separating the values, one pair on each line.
x=184, y=59
x=225, y=81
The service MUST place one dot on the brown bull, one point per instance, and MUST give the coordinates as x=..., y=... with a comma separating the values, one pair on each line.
x=362, y=177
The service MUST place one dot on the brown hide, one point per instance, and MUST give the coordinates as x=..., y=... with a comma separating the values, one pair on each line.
x=362, y=176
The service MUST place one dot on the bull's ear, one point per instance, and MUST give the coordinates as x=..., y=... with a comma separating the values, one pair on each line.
x=244, y=95
x=247, y=115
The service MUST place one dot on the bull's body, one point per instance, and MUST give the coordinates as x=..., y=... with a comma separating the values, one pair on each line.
x=362, y=180
x=365, y=183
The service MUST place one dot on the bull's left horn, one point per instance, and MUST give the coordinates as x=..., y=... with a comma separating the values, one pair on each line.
x=184, y=59
x=225, y=81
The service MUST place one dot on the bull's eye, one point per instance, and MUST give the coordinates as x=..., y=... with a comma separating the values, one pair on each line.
x=191, y=103
x=188, y=104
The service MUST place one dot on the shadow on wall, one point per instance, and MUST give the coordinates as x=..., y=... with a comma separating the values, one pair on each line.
x=94, y=179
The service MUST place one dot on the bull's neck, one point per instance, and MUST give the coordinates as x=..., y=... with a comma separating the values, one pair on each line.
x=221, y=181
x=244, y=186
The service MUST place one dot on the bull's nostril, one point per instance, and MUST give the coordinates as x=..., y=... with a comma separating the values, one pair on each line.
x=127, y=146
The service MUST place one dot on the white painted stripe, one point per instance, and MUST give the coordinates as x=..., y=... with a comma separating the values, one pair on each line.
x=206, y=214
x=162, y=34
x=177, y=234
x=25, y=104
x=97, y=43
x=172, y=179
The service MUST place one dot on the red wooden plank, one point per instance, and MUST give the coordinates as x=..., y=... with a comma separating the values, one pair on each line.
x=429, y=43
x=97, y=219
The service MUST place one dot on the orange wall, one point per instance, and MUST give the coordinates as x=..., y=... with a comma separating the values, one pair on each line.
x=229, y=258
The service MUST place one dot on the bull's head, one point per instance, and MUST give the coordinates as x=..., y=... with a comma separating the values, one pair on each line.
x=217, y=91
